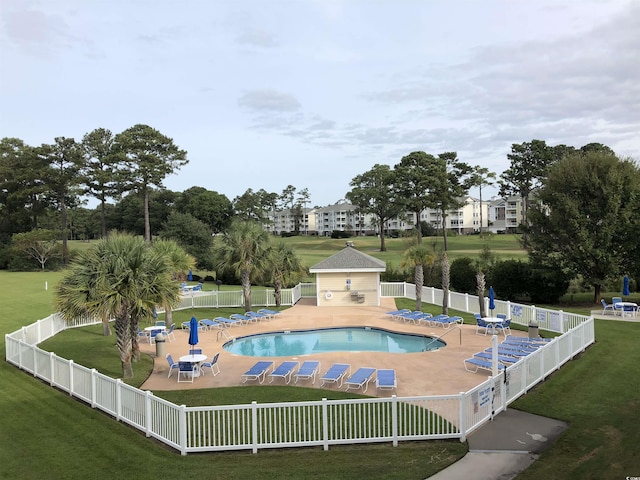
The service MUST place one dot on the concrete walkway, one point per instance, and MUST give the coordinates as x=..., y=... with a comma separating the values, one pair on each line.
x=504, y=447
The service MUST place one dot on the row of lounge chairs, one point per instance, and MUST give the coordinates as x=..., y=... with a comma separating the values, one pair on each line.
x=417, y=317
x=510, y=351
x=338, y=374
x=234, y=319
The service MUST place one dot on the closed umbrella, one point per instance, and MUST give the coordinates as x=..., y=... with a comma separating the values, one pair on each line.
x=625, y=286
x=193, y=331
x=190, y=276
x=492, y=300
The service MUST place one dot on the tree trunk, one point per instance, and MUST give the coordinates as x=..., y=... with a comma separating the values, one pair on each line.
x=419, y=280
x=597, y=293
x=480, y=208
x=480, y=283
x=418, y=227
x=168, y=316
x=106, y=329
x=383, y=247
x=123, y=343
x=103, y=218
x=446, y=276
x=147, y=223
x=246, y=290
x=444, y=229
x=65, y=246
x=135, y=346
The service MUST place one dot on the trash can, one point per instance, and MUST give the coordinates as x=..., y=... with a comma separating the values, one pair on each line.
x=533, y=329
x=160, y=340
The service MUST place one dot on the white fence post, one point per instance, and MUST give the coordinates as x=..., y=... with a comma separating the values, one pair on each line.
x=394, y=419
x=462, y=404
x=94, y=374
x=71, y=377
x=182, y=428
x=118, y=399
x=325, y=424
x=147, y=413
x=52, y=358
x=254, y=426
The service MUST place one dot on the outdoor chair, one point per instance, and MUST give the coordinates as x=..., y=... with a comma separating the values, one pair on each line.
x=606, y=307
x=160, y=323
x=482, y=325
x=169, y=333
x=187, y=371
x=172, y=365
x=477, y=363
x=228, y=322
x=213, y=365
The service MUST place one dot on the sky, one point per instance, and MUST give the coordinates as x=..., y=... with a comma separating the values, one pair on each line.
x=311, y=93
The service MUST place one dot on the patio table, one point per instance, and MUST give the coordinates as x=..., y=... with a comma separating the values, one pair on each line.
x=622, y=308
x=194, y=358
x=493, y=321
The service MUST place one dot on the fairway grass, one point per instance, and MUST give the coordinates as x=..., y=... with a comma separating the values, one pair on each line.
x=47, y=434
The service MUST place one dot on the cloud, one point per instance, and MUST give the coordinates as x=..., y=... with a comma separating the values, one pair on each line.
x=269, y=101
x=257, y=38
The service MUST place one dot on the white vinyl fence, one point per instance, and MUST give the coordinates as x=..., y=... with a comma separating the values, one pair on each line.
x=299, y=424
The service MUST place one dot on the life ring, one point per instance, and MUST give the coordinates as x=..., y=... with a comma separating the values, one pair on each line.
x=328, y=295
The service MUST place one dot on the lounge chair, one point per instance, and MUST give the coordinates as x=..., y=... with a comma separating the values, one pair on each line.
x=258, y=371
x=242, y=318
x=255, y=316
x=172, y=365
x=360, y=379
x=284, y=371
x=505, y=359
x=208, y=324
x=308, y=369
x=336, y=374
x=212, y=364
x=270, y=313
x=229, y=322
x=445, y=321
x=480, y=363
x=188, y=371
x=386, y=379
x=397, y=314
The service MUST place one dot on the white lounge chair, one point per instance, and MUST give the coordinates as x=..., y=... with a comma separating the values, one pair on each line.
x=386, y=379
x=307, y=370
x=284, y=371
x=360, y=379
x=336, y=374
x=258, y=371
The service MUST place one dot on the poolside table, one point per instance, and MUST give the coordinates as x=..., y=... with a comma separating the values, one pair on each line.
x=493, y=321
x=194, y=358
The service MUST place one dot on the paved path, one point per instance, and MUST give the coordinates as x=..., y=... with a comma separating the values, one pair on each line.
x=504, y=447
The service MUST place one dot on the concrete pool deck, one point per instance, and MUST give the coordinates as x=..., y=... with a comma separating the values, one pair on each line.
x=438, y=372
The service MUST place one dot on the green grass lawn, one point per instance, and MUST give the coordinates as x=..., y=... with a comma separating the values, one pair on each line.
x=47, y=434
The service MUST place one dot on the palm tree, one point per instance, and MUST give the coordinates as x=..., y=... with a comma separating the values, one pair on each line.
x=179, y=262
x=285, y=268
x=417, y=257
x=121, y=277
x=446, y=281
x=244, y=250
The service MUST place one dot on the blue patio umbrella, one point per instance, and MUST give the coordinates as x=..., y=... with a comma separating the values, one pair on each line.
x=193, y=331
x=492, y=299
x=190, y=276
x=625, y=286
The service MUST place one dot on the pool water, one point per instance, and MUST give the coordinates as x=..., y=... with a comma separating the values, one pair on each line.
x=344, y=339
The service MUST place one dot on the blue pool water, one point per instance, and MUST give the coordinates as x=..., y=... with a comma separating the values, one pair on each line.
x=344, y=339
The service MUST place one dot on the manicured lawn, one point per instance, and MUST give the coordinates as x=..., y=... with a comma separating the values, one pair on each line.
x=46, y=434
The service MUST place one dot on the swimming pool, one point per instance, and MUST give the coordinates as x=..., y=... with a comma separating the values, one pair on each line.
x=343, y=339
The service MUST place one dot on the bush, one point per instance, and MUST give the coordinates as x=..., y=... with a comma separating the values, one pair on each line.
x=340, y=234
x=510, y=279
x=463, y=275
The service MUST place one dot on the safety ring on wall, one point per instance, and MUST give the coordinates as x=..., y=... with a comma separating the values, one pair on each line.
x=328, y=295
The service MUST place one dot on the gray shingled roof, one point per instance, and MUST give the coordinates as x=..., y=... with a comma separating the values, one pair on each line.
x=349, y=259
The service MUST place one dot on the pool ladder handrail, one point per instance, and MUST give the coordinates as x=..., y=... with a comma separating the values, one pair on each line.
x=447, y=331
x=225, y=334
